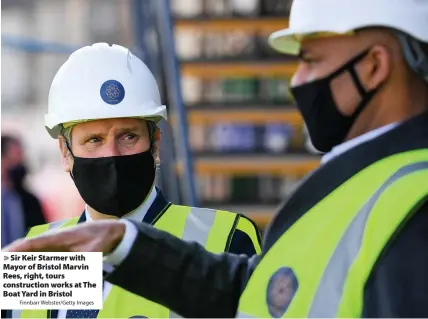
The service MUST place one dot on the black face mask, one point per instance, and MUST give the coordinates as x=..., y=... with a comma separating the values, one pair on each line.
x=17, y=175
x=114, y=185
x=328, y=127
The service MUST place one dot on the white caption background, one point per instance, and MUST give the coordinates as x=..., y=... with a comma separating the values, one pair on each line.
x=76, y=282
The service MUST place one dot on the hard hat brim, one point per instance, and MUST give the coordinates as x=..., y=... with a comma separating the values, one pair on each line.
x=53, y=122
x=285, y=41
x=288, y=40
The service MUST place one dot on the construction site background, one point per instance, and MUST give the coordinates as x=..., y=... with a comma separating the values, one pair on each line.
x=248, y=143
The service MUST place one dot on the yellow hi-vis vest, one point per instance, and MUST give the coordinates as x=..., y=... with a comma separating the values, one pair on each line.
x=319, y=267
x=210, y=228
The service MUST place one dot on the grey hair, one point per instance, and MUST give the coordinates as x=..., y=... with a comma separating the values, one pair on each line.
x=66, y=133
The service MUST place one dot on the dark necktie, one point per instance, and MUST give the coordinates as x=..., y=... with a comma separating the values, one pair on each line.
x=83, y=313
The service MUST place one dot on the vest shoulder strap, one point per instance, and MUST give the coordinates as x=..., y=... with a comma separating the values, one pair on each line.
x=40, y=229
x=209, y=227
x=385, y=218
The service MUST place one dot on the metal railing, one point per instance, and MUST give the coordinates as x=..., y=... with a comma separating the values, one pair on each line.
x=165, y=34
x=12, y=42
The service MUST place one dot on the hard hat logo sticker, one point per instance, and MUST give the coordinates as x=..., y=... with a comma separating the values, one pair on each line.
x=112, y=92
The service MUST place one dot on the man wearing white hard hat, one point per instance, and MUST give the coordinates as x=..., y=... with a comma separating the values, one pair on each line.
x=352, y=240
x=104, y=107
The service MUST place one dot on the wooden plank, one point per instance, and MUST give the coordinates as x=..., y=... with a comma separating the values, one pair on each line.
x=249, y=166
x=256, y=117
x=259, y=25
x=238, y=69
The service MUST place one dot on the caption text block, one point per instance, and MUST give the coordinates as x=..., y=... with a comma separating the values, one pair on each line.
x=52, y=280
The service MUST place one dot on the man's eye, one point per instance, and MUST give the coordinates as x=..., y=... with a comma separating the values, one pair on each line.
x=130, y=136
x=94, y=140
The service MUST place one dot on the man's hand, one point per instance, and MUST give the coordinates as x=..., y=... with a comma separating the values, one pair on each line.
x=98, y=236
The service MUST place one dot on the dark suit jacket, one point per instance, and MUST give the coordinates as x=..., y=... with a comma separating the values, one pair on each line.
x=200, y=284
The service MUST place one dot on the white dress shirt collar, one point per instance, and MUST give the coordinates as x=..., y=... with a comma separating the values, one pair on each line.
x=342, y=148
x=139, y=213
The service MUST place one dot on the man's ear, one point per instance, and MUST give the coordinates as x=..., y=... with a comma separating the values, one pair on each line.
x=158, y=135
x=156, y=146
x=66, y=158
x=377, y=67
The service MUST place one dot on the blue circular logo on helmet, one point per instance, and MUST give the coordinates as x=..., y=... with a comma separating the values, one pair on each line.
x=112, y=92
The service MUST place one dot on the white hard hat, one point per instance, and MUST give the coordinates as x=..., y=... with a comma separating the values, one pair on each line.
x=341, y=16
x=100, y=82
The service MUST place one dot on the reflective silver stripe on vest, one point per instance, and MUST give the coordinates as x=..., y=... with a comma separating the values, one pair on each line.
x=172, y=314
x=16, y=313
x=198, y=225
x=330, y=289
x=243, y=315
x=57, y=224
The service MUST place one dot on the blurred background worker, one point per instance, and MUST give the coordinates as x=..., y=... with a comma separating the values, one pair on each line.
x=21, y=209
x=352, y=240
x=12, y=214
x=108, y=137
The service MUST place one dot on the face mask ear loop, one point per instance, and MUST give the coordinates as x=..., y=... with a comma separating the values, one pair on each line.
x=71, y=152
x=364, y=94
x=152, y=133
x=68, y=146
x=357, y=82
